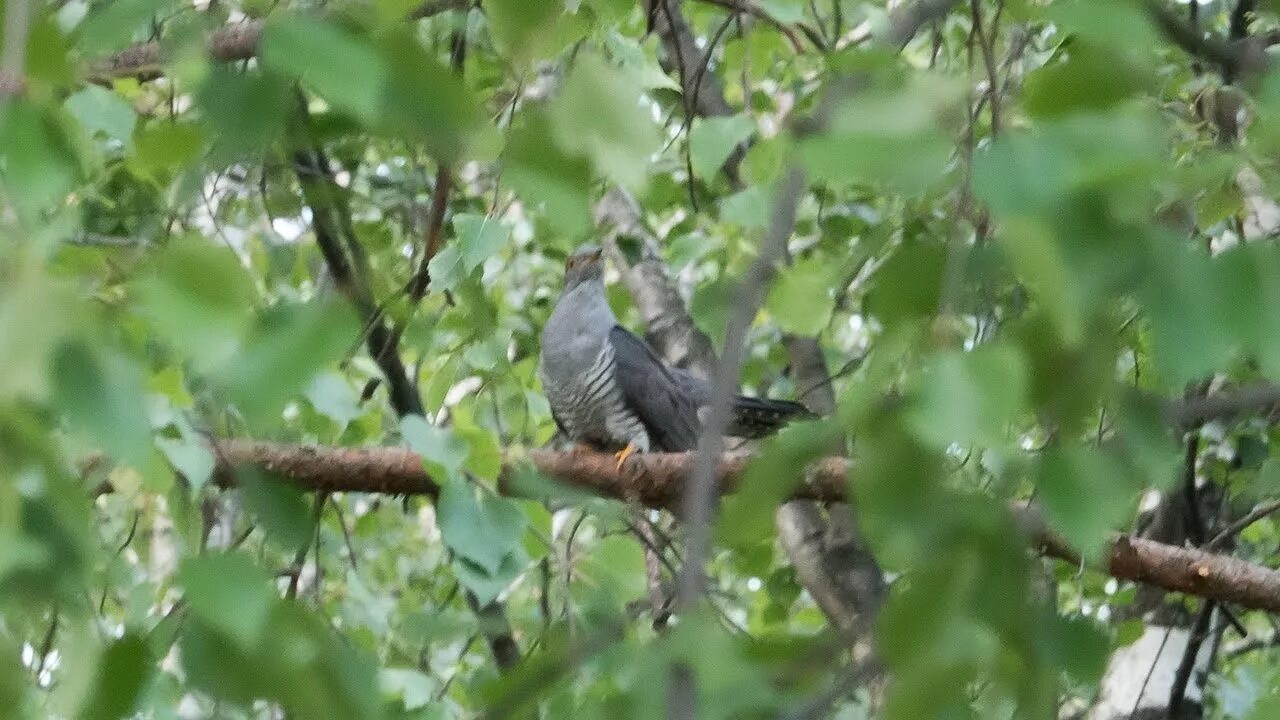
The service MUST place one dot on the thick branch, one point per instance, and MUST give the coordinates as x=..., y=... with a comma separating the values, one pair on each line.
x=226, y=44
x=399, y=471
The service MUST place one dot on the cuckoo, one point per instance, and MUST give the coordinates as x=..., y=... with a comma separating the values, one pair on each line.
x=609, y=390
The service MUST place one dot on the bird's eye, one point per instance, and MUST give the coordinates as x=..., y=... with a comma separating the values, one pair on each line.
x=569, y=264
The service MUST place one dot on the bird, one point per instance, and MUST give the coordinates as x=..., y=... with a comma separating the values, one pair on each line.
x=608, y=389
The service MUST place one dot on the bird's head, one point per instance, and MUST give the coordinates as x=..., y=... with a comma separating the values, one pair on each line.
x=586, y=264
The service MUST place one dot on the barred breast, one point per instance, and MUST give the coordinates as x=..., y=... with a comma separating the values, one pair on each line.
x=592, y=409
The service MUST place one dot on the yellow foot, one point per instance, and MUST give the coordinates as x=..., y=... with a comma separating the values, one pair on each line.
x=624, y=453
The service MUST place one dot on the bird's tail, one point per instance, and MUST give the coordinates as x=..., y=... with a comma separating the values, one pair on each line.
x=753, y=417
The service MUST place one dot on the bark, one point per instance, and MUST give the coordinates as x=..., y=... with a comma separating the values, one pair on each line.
x=230, y=43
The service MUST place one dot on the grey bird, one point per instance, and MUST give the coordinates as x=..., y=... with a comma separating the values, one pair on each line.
x=610, y=390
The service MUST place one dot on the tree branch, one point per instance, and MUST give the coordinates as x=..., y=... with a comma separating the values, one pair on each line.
x=229, y=43
x=400, y=471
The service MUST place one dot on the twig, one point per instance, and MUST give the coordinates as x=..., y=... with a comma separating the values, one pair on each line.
x=1196, y=411
x=746, y=7
x=1150, y=671
x=13, y=60
x=346, y=535
x=986, y=44
x=1231, y=531
x=1199, y=630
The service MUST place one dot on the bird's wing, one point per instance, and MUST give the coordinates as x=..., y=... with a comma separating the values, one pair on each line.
x=654, y=393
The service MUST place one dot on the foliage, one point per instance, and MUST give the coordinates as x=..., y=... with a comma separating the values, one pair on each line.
x=1017, y=235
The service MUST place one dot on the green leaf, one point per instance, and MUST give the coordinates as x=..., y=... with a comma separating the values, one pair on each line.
x=907, y=285
x=229, y=593
x=447, y=269
x=101, y=395
x=101, y=111
x=443, y=452
x=190, y=456
x=524, y=28
x=1189, y=337
x=123, y=672
x=1085, y=495
x=284, y=350
x=480, y=237
x=199, y=298
x=484, y=458
x=1090, y=79
x=1079, y=647
x=598, y=114
x=1038, y=258
x=749, y=208
x=165, y=147
x=342, y=68
x=111, y=25
x=414, y=689
x=892, y=135
x=480, y=526
x=484, y=531
x=423, y=98
x=713, y=139
x=331, y=395
x=800, y=301
x=34, y=315
x=548, y=178
x=784, y=11
x=971, y=397
x=280, y=507
x=39, y=168
x=245, y=111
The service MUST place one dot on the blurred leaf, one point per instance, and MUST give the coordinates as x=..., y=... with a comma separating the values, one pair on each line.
x=713, y=139
x=1078, y=647
x=1085, y=495
x=101, y=395
x=34, y=313
x=907, y=284
x=443, y=451
x=190, y=456
x=784, y=11
x=230, y=593
x=245, y=111
x=279, y=506
x=800, y=299
x=749, y=208
x=537, y=168
x=123, y=672
x=524, y=28
x=598, y=114
x=446, y=269
x=342, y=68
x=423, y=98
x=971, y=397
x=330, y=394
x=480, y=237
x=1090, y=79
x=283, y=352
x=199, y=298
x=160, y=147
x=111, y=25
x=101, y=111
x=39, y=168
x=415, y=689
x=1189, y=338
x=484, y=458
x=486, y=533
